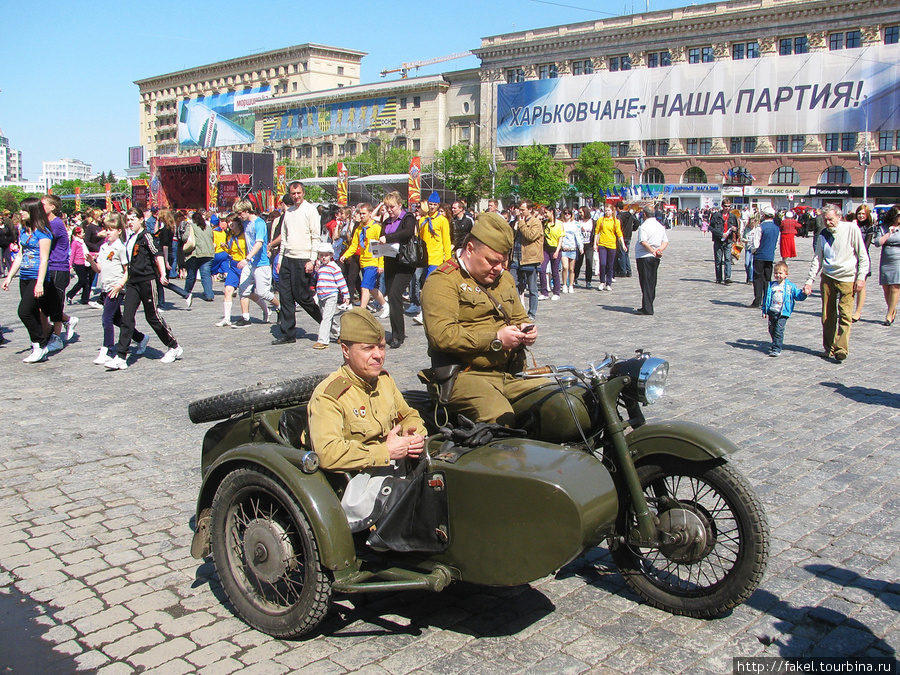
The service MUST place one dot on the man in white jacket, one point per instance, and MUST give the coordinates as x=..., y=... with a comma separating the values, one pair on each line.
x=840, y=254
x=300, y=236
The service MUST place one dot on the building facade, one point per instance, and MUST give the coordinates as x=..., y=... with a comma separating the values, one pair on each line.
x=10, y=161
x=64, y=169
x=422, y=114
x=661, y=74
x=208, y=106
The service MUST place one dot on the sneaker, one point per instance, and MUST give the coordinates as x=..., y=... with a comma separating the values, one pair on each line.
x=103, y=357
x=142, y=346
x=554, y=297
x=68, y=300
x=385, y=312
x=189, y=300
x=413, y=309
x=589, y=286
x=345, y=307
x=417, y=319
x=224, y=323
x=320, y=345
x=55, y=344
x=172, y=354
x=70, y=327
x=116, y=363
x=37, y=354
x=241, y=323
x=543, y=297
x=774, y=353
x=95, y=304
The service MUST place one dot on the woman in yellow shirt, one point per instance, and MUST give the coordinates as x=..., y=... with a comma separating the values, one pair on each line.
x=607, y=234
x=553, y=233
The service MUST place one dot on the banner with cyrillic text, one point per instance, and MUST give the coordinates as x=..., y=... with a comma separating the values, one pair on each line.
x=822, y=92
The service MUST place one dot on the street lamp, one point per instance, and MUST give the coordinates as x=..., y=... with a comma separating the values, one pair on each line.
x=865, y=157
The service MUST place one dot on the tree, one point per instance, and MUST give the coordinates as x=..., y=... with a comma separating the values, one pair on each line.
x=540, y=178
x=464, y=170
x=595, y=169
x=11, y=197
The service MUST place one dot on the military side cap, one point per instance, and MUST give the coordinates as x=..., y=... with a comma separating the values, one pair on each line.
x=358, y=325
x=490, y=229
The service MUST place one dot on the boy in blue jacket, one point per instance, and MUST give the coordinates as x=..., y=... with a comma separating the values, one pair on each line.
x=778, y=305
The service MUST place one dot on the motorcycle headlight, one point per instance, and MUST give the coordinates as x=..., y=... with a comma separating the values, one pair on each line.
x=648, y=377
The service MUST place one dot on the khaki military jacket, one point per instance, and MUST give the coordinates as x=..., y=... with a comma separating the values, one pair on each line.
x=531, y=233
x=349, y=420
x=460, y=318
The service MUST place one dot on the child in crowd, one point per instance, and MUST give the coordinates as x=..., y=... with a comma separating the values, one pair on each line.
x=111, y=263
x=778, y=305
x=79, y=265
x=370, y=266
x=329, y=285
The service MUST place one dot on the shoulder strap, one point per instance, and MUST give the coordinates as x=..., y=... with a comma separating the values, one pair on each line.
x=338, y=387
x=448, y=266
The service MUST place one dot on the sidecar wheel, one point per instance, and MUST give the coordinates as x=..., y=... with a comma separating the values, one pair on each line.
x=267, y=556
x=725, y=556
x=259, y=397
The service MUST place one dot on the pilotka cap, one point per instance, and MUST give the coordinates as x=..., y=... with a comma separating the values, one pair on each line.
x=358, y=325
x=490, y=229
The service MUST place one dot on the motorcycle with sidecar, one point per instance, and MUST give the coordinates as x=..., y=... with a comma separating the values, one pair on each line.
x=685, y=529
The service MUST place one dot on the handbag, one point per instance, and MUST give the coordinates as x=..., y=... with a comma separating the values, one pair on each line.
x=189, y=243
x=413, y=252
x=736, y=249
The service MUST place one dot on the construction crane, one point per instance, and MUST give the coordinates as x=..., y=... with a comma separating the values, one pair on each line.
x=406, y=67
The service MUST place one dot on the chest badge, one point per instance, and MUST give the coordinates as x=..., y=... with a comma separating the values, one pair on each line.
x=362, y=411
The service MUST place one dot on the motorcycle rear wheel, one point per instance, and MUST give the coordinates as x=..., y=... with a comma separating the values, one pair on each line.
x=730, y=565
x=267, y=556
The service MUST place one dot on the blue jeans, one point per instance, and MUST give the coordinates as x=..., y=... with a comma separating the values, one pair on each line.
x=173, y=259
x=623, y=261
x=722, y=251
x=527, y=277
x=204, y=265
x=776, y=330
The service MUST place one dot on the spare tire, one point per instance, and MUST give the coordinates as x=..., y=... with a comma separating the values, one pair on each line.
x=257, y=397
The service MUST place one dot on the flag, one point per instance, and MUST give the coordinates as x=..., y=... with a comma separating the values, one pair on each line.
x=415, y=174
x=108, y=196
x=342, y=184
x=78, y=199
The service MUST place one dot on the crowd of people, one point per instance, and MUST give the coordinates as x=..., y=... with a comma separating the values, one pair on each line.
x=325, y=260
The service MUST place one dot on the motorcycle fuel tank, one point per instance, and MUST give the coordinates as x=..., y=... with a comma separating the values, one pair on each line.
x=545, y=412
x=521, y=509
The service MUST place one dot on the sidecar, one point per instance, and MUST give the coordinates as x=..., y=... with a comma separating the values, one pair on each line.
x=518, y=509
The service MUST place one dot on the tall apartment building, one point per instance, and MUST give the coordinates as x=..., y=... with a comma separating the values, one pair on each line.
x=208, y=106
x=10, y=161
x=762, y=100
x=64, y=169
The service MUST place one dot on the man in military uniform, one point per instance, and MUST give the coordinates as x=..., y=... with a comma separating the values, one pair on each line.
x=358, y=420
x=473, y=315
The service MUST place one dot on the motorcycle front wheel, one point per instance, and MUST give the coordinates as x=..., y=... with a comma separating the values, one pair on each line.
x=267, y=556
x=717, y=546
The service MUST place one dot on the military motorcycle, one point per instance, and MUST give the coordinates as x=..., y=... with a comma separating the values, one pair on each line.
x=686, y=531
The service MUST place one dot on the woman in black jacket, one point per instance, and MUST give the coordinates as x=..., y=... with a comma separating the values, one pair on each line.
x=398, y=227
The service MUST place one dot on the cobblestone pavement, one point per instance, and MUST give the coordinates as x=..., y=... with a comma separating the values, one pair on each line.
x=101, y=470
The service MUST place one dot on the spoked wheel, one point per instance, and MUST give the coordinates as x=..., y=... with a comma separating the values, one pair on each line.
x=715, y=551
x=266, y=555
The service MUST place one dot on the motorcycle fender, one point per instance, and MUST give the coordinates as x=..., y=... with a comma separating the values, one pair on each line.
x=682, y=440
x=312, y=491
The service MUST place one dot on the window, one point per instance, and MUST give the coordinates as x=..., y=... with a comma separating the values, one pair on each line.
x=749, y=144
x=509, y=154
x=400, y=143
x=694, y=55
x=848, y=142
x=351, y=147
x=588, y=67
x=582, y=67
x=307, y=151
x=551, y=149
x=831, y=142
x=342, y=149
x=576, y=67
x=294, y=86
x=785, y=175
x=653, y=175
x=657, y=59
x=849, y=40
x=663, y=148
x=835, y=174
x=701, y=55
x=801, y=45
x=417, y=145
x=543, y=73
x=694, y=175
x=785, y=46
x=891, y=35
x=886, y=140
x=575, y=150
x=623, y=149
x=705, y=146
x=613, y=63
x=514, y=75
x=618, y=176
x=745, y=50
x=887, y=175
x=650, y=148
x=836, y=41
x=402, y=104
x=738, y=51
x=417, y=123
x=417, y=101
x=736, y=145
x=554, y=71
x=465, y=133
x=738, y=176
x=691, y=146
x=707, y=55
x=340, y=70
x=625, y=62
x=402, y=124
x=797, y=143
x=853, y=39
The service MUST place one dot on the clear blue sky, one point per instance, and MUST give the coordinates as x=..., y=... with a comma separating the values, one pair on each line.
x=69, y=67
